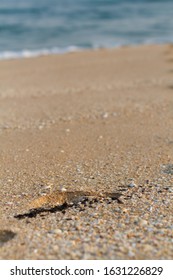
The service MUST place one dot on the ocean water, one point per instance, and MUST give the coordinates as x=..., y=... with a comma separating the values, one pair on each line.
x=31, y=28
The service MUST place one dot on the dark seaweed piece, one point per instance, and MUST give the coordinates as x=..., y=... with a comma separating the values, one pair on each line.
x=5, y=236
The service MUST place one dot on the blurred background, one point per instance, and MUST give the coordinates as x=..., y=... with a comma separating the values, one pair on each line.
x=30, y=27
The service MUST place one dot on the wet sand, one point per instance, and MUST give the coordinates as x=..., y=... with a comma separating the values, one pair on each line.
x=87, y=122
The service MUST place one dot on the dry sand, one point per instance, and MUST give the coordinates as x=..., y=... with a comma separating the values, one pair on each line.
x=94, y=121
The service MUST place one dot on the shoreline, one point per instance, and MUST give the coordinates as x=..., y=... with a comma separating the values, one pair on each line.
x=93, y=121
x=36, y=53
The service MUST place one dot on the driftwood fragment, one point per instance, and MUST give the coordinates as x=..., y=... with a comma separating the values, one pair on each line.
x=59, y=198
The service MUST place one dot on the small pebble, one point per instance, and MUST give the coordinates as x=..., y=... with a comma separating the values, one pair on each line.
x=143, y=223
x=105, y=115
x=57, y=231
x=131, y=185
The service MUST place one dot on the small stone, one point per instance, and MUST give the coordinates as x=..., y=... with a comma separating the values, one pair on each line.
x=55, y=248
x=167, y=168
x=57, y=231
x=118, y=210
x=125, y=210
x=9, y=203
x=131, y=185
x=105, y=115
x=62, y=189
x=47, y=187
x=143, y=223
x=40, y=127
x=131, y=254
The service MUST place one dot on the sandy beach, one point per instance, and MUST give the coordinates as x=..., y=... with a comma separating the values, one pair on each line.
x=93, y=122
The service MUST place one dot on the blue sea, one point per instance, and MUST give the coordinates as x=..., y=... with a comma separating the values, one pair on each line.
x=38, y=27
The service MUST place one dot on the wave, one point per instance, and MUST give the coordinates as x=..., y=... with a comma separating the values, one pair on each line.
x=35, y=53
x=5, y=55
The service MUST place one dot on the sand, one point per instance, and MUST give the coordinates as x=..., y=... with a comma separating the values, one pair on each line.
x=91, y=122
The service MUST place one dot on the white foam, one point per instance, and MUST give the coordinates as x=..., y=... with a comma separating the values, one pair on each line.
x=4, y=55
x=34, y=53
